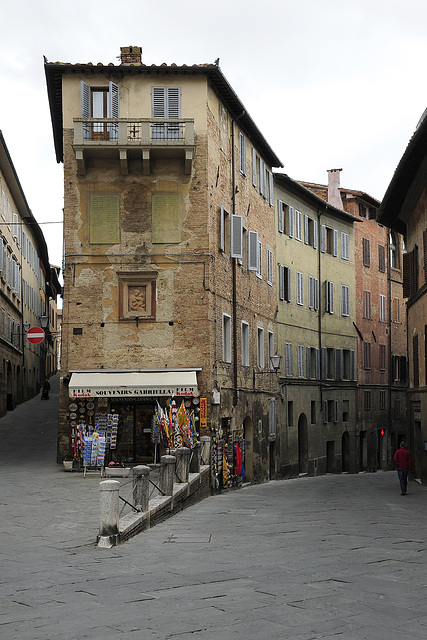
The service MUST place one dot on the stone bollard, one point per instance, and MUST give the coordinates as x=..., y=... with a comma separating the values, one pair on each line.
x=109, y=516
x=167, y=475
x=141, y=487
x=205, y=453
x=182, y=464
x=195, y=459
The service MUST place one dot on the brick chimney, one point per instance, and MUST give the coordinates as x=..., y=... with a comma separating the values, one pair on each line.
x=334, y=194
x=130, y=55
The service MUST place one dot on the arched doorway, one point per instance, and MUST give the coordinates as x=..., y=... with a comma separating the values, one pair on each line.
x=345, y=452
x=249, y=444
x=302, y=444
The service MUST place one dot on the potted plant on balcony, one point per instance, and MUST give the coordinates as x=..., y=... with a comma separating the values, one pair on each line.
x=68, y=462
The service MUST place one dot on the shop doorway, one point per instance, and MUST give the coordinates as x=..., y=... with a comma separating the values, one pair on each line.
x=345, y=452
x=248, y=438
x=302, y=444
x=134, y=439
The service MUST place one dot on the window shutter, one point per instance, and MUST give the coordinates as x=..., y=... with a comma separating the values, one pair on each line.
x=173, y=95
x=281, y=216
x=242, y=153
x=415, y=360
x=310, y=292
x=317, y=363
x=222, y=229
x=339, y=364
x=270, y=189
x=306, y=237
x=113, y=101
x=352, y=366
x=281, y=282
x=322, y=238
x=308, y=351
x=315, y=234
x=316, y=294
x=84, y=100
x=269, y=266
x=324, y=362
x=335, y=243
x=425, y=253
x=381, y=258
x=291, y=222
x=272, y=417
x=253, y=250
x=289, y=285
x=325, y=411
x=158, y=102
x=236, y=236
x=335, y=410
x=254, y=173
x=1, y=255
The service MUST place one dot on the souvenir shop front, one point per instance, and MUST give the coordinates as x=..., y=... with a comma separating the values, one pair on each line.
x=132, y=416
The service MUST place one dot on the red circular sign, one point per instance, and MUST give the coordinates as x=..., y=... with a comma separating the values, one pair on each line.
x=35, y=335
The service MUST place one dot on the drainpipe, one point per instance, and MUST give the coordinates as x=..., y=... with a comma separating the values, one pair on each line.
x=392, y=436
x=234, y=266
x=319, y=311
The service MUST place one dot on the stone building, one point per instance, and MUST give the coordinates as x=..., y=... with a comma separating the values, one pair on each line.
x=403, y=209
x=28, y=292
x=169, y=235
x=380, y=325
x=316, y=335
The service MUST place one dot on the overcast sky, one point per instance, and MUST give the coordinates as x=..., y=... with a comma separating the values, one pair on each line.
x=330, y=83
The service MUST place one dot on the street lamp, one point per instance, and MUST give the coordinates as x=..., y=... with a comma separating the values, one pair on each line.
x=275, y=362
x=44, y=321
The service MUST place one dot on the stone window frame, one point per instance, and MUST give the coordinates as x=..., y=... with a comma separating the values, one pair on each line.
x=146, y=279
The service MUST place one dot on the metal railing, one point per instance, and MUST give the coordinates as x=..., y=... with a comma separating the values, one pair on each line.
x=134, y=131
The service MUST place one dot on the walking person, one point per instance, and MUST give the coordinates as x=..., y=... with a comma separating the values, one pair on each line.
x=403, y=462
x=45, y=390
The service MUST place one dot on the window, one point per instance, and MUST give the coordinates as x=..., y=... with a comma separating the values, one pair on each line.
x=300, y=361
x=263, y=187
x=269, y=267
x=344, y=245
x=260, y=347
x=367, y=305
x=284, y=283
x=245, y=344
x=366, y=252
x=137, y=296
x=270, y=348
x=300, y=288
x=104, y=225
x=345, y=300
x=272, y=417
x=166, y=103
x=289, y=363
x=396, y=310
x=259, y=260
x=166, y=215
x=226, y=337
x=310, y=232
x=328, y=240
x=393, y=252
x=313, y=363
x=367, y=400
x=298, y=225
x=285, y=218
x=381, y=258
x=410, y=272
x=329, y=296
x=313, y=293
x=382, y=399
x=382, y=308
x=328, y=362
x=367, y=355
x=382, y=353
x=242, y=153
x=99, y=102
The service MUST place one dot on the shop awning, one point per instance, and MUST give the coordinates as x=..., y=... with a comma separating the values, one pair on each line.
x=133, y=384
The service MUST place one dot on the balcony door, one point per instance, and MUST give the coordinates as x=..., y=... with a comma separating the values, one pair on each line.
x=166, y=103
x=100, y=102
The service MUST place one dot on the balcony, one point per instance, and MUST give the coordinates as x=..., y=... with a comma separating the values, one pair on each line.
x=142, y=138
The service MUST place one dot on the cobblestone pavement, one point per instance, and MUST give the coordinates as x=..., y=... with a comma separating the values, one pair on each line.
x=327, y=557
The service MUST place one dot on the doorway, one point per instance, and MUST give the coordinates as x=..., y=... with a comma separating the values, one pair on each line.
x=302, y=444
x=363, y=451
x=345, y=452
x=248, y=438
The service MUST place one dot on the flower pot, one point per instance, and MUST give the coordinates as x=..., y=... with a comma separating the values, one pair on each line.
x=68, y=465
x=117, y=472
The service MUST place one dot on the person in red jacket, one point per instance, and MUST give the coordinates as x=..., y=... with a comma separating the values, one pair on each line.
x=403, y=462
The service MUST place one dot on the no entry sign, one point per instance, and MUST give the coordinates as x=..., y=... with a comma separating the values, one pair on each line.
x=35, y=335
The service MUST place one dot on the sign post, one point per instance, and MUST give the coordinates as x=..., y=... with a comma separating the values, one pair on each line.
x=35, y=335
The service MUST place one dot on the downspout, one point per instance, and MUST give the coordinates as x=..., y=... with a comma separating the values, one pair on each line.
x=392, y=436
x=234, y=266
x=319, y=312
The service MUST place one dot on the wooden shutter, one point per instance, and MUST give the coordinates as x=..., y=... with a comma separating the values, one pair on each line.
x=236, y=237
x=308, y=351
x=281, y=216
x=306, y=235
x=352, y=366
x=113, y=101
x=315, y=234
x=381, y=258
x=322, y=238
x=288, y=276
x=254, y=167
x=335, y=243
x=84, y=100
x=222, y=229
x=253, y=250
x=415, y=360
x=281, y=282
x=407, y=275
x=291, y=222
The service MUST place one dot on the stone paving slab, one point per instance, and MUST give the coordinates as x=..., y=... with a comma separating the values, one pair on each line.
x=328, y=557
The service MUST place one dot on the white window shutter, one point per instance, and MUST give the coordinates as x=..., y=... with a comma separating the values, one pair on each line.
x=315, y=234
x=291, y=222
x=331, y=297
x=254, y=172
x=289, y=284
x=113, y=101
x=281, y=282
x=316, y=294
x=84, y=100
x=158, y=102
x=236, y=236
x=269, y=266
x=317, y=363
x=173, y=102
x=324, y=362
x=322, y=238
x=325, y=411
x=270, y=189
x=252, y=250
x=335, y=243
x=306, y=237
